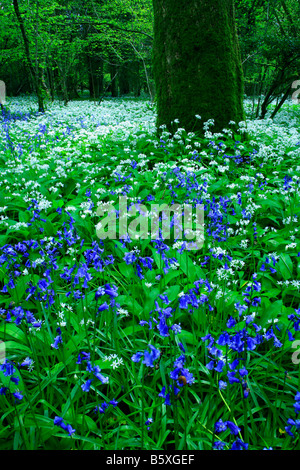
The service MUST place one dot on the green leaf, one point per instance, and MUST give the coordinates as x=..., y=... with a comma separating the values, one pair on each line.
x=285, y=265
x=188, y=337
x=11, y=330
x=272, y=312
x=13, y=346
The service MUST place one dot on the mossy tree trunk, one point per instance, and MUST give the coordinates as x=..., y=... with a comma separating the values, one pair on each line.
x=196, y=63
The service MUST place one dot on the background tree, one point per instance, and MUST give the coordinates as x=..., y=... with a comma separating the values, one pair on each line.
x=33, y=64
x=196, y=63
x=73, y=48
x=269, y=33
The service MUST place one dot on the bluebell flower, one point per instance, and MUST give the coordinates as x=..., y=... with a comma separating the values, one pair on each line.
x=220, y=366
x=7, y=368
x=239, y=445
x=103, y=307
x=87, y=385
x=231, y=322
x=18, y=395
x=83, y=356
x=101, y=408
x=15, y=380
x=67, y=427
x=290, y=336
x=224, y=339
x=111, y=290
x=137, y=357
x=97, y=373
x=245, y=389
x=176, y=328
x=168, y=399
x=231, y=377
x=222, y=385
x=293, y=422
x=297, y=407
x=188, y=376
x=130, y=258
x=113, y=402
x=149, y=358
x=148, y=423
x=240, y=308
x=220, y=426
x=288, y=430
x=219, y=445
x=210, y=365
x=233, y=365
x=162, y=327
x=243, y=371
x=166, y=395
x=234, y=429
x=57, y=421
x=57, y=341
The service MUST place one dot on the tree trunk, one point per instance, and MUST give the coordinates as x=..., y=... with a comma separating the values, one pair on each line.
x=196, y=63
x=34, y=71
x=136, y=79
x=113, y=78
x=51, y=83
x=281, y=102
x=124, y=79
x=65, y=90
x=95, y=75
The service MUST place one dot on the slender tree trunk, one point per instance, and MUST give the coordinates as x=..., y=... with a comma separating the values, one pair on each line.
x=65, y=91
x=281, y=102
x=34, y=73
x=91, y=78
x=51, y=82
x=136, y=79
x=113, y=77
x=196, y=63
x=124, y=79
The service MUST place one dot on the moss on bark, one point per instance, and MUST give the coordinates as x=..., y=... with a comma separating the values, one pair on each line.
x=196, y=63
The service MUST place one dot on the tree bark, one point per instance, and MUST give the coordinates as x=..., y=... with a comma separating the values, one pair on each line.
x=196, y=63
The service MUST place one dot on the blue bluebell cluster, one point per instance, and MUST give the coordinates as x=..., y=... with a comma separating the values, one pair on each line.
x=58, y=421
x=148, y=357
x=139, y=262
x=103, y=407
x=221, y=426
x=9, y=370
x=294, y=424
x=91, y=369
